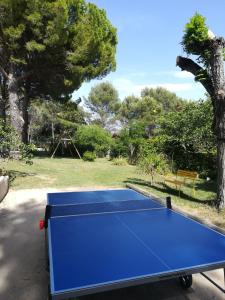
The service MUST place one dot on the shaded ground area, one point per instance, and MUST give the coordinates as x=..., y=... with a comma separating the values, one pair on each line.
x=200, y=204
x=22, y=259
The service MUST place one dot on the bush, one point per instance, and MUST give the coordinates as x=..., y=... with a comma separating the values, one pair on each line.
x=120, y=161
x=89, y=156
x=153, y=163
x=94, y=139
x=12, y=147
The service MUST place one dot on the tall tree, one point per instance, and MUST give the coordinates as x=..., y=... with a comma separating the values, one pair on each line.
x=48, y=48
x=103, y=102
x=148, y=107
x=51, y=119
x=168, y=100
x=209, y=71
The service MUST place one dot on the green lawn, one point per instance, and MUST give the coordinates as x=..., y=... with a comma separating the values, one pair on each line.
x=46, y=172
x=201, y=204
x=60, y=173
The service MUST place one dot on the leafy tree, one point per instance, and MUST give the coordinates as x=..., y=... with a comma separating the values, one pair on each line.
x=153, y=163
x=165, y=99
x=93, y=138
x=152, y=104
x=48, y=48
x=209, y=71
x=50, y=119
x=6, y=139
x=9, y=142
x=103, y=102
x=134, y=108
x=129, y=141
x=187, y=138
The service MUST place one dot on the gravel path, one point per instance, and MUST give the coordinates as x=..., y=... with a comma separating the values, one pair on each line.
x=22, y=261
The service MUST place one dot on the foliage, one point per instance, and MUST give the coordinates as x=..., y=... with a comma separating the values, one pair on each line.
x=130, y=141
x=103, y=103
x=65, y=41
x=89, y=156
x=152, y=104
x=10, y=142
x=192, y=126
x=196, y=36
x=153, y=163
x=93, y=138
x=167, y=100
x=6, y=137
x=119, y=161
x=187, y=137
x=26, y=152
x=49, y=48
x=50, y=119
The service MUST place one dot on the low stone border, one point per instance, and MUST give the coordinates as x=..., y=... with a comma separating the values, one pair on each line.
x=175, y=208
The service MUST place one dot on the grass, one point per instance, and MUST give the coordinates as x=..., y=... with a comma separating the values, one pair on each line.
x=200, y=205
x=46, y=172
x=61, y=173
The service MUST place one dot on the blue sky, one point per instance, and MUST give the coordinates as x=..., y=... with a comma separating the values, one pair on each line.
x=149, y=34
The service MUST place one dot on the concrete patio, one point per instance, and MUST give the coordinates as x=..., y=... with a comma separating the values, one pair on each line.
x=22, y=259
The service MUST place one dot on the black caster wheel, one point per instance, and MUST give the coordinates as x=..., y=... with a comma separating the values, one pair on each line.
x=186, y=281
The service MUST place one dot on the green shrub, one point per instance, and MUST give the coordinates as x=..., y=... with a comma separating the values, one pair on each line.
x=94, y=139
x=152, y=164
x=89, y=156
x=26, y=152
x=11, y=145
x=120, y=161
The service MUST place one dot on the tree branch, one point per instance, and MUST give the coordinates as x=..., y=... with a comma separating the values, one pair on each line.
x=189, y=65
x=4, y=72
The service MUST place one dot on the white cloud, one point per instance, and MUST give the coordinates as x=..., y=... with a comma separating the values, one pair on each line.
x=138, y=74
x=127, y=87
x=183, y=74
x=176, y=74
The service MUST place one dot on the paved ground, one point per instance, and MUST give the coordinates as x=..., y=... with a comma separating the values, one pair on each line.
x=22, y=261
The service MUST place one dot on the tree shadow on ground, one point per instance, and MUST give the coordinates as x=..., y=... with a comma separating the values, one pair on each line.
x=22, y=260
x=15, y=174
x=163, y=188
x=207, y=186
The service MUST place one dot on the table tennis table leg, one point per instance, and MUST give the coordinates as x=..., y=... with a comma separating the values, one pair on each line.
x=214, y=283
x=49, y=293
x=224, y=278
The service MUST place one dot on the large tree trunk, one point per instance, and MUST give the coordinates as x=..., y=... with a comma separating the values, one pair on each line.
x=3, y=99
x=25, y=108
x=218, y=79
x=14, y=104
x=214, y=83
x=25, y=104
x=2, y=109
x=220, y=173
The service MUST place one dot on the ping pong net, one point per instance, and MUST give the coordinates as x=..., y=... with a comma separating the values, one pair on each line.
x=56, y=211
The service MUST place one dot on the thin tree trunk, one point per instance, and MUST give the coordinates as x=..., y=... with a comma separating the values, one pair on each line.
x=17, y=120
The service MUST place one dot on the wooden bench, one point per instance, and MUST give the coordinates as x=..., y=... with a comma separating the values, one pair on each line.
x=184, y=174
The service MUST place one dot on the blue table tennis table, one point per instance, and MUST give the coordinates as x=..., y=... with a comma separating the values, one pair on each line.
x=103, y=240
